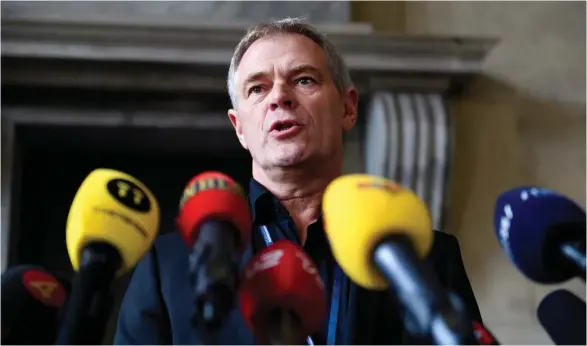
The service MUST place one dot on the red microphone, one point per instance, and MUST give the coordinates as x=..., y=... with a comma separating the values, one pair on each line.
x=483, y=335
x=215, y=222
x=282, y=296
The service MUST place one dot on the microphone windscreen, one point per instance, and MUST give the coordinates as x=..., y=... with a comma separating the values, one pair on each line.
x=562, y=314
x=114, y=208
x=360, y=211
x=32, y=301
x=530, y=223
x=282, y=276
x=213, y=195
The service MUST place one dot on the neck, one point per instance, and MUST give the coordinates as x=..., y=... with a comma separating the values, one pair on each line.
x=299, y=189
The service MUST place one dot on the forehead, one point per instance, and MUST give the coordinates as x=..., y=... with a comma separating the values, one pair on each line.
x=282, y=51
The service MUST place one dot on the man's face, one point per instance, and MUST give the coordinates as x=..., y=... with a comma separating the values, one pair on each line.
x=288, y=108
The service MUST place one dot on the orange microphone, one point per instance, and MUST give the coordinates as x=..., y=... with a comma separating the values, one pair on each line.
x=215, y=223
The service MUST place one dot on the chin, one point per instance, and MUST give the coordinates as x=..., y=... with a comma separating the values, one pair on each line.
x=288, y=161
x=289, y=158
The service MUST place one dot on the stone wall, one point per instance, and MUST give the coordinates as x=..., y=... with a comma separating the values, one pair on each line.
x=523, y=122
x=210, y=11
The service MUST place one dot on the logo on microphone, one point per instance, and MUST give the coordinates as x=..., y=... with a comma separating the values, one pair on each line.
x=44, y=288
x=385, y=185
x=129, y=194
x=202, y=185
x=113, y=213
x=265, y=261
x=535, y=192
x=309, y=268
x=503, y=234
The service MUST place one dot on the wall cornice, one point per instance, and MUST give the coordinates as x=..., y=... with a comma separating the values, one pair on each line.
x=376, y=60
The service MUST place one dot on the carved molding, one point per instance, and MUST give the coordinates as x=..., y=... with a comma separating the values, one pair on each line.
x=196, y=56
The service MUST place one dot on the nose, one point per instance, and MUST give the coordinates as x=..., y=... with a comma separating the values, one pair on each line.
x=282, y=97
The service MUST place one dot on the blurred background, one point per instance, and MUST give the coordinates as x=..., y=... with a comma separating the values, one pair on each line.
x=459, y=100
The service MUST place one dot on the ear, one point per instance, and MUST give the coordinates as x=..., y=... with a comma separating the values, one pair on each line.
x=238, y=127
x=351, y=102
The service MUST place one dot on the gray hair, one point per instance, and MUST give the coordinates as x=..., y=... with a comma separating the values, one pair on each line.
x=338, y=69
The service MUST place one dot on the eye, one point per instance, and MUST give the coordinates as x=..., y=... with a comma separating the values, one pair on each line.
x=305, y=81
x=255, y=89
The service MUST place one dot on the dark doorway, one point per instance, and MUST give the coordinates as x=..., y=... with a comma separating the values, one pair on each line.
x=51, y=175
x=50, y=181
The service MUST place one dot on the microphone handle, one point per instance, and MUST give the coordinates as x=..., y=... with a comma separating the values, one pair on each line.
x=574, y=253
x=427, y=311
x=284, y=328
x=213, y=270
x=90, y=303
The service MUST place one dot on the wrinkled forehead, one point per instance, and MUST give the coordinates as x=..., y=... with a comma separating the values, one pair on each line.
x=281, y=52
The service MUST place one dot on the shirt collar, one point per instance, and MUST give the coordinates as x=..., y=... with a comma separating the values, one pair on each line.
x=263, y=203
x=259, y=197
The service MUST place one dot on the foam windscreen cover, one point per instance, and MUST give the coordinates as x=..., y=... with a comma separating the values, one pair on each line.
x=32, y=302
x=527, y=221
x=213, y=195
x=362, y=210
x=115, y=208
x=282, y=276
x=562, y=314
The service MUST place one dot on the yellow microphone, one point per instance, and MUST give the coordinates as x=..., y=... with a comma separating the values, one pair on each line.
x=360, y=211
x=379, y=233
x=114, y=208
x=112, y=223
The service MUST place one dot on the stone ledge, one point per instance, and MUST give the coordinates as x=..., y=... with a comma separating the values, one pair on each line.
x=375, y=58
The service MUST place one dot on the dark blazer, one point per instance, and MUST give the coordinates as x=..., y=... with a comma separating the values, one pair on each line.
x=158, y=304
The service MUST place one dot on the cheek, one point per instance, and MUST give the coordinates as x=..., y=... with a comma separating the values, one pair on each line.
x=252, y=128
x=330, y=115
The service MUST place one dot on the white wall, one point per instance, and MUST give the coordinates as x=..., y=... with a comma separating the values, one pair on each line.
x=522, y=123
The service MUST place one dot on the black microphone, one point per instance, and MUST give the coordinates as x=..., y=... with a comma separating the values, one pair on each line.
x=562, y=314
x=32, y=304
x=543, y=234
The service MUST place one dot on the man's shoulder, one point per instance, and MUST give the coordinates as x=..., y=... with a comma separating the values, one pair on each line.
x=444, y=249
x=169, y=251
x=444, y=240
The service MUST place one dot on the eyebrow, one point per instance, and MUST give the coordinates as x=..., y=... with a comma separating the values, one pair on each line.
x=296, y=70
x=305, y=68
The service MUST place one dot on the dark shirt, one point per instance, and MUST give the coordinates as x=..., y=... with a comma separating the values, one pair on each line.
x=158, y=305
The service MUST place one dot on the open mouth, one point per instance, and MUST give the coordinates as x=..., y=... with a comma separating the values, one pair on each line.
x=281, y=126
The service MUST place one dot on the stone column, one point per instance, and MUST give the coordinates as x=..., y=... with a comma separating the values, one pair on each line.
x=408, y=140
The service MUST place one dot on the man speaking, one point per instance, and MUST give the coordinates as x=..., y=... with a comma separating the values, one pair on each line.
x=293, y=99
